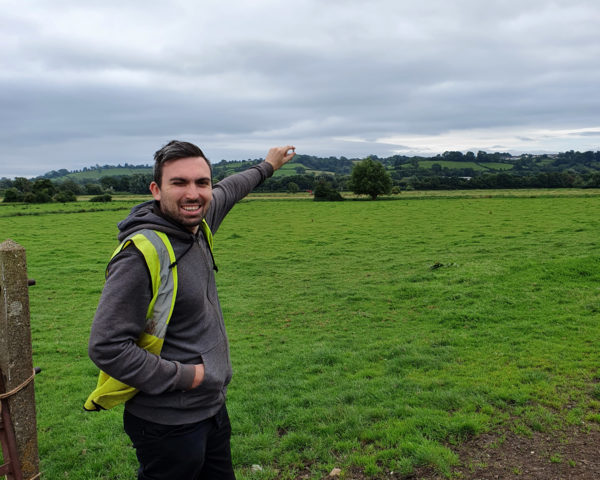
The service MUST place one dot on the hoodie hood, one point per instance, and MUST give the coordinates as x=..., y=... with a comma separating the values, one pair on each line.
x=148, y=215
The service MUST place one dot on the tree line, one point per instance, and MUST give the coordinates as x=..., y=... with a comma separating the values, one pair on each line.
x=44, y=190
x=326, y=177
x=505, y=180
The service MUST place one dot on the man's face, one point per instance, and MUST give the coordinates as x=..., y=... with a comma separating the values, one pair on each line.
x=185, y=192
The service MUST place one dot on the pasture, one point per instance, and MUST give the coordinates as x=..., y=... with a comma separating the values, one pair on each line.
x=369, y=336
x=476, y=166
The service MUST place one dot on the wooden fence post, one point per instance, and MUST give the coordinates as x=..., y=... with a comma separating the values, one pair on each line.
x=16, y=361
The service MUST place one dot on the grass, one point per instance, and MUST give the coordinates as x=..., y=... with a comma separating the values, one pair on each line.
x=496, y=165
x=364, y=335
x=452, y=164
x=97, y=174
x=477, y=166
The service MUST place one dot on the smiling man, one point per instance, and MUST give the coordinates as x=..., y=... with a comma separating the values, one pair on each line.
x=158, y=334
x=186, y=191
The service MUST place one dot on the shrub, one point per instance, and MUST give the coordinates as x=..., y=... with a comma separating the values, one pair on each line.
x=42, y=196
x=324, y=192
x=13, y=195
x=101, y=198
x=29, y=197
x=65, y=196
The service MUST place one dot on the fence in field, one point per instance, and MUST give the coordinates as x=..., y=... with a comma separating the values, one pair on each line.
x=18, y=431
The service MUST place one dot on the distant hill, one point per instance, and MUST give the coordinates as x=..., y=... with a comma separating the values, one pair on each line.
x=450, y=170
x=95, y=173
x=222, y=169
x=448, y=164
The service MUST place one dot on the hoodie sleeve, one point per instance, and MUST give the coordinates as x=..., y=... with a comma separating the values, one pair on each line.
x=232, y=189
x=119, y=320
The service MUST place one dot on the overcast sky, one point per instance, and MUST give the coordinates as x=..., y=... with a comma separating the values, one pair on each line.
x=106, y=82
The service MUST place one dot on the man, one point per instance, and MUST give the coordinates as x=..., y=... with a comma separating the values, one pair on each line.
x=177, y=420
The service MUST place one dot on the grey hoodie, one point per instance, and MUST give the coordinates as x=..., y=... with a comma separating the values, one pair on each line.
x=196, y=332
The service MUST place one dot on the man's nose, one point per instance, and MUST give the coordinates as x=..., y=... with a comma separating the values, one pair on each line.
x=192, y=191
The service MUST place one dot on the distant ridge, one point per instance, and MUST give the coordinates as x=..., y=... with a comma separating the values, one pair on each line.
x=451, y=163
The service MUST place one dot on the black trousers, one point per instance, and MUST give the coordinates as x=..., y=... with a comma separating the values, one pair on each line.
x=195, y=451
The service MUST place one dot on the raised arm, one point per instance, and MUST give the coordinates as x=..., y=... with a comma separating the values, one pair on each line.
x=232, y=189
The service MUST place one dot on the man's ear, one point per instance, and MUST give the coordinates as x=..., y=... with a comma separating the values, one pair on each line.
x=155, y=189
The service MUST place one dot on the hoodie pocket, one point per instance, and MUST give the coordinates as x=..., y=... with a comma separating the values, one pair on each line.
x=217, y=373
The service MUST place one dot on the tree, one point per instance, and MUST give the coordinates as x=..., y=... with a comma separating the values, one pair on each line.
x=22, y=184
x=453, y=156
x=139, y=183
x=13, y=195
x=5, y=183
x=43, y=190
x=325, y=192
x=115, y=183
x=69, y=185
x=65, y=196
x=370, y=178
x=93, y=189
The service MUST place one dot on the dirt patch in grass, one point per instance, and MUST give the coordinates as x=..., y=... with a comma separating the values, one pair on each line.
x=565, y=455
x=572, y=455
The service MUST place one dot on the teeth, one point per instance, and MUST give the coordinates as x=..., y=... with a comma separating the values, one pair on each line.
x=191, y=208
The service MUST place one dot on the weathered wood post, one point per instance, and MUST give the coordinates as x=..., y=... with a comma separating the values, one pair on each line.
x=16, y=361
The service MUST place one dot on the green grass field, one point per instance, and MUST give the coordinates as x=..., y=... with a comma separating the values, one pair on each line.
x=451, y=164
x=477, y=166
x=369, y=336
x=496, y=165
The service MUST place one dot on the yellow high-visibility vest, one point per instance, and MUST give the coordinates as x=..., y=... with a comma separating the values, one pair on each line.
x=160, y=259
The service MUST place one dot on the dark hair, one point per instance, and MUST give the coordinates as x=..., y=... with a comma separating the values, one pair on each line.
x=175, y=150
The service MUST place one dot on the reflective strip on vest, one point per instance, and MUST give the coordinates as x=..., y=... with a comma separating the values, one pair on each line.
x=159, y=256
x=208, y=234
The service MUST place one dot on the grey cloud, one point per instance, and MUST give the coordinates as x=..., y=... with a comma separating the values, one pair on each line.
x=592, y=133
x=338, y=70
